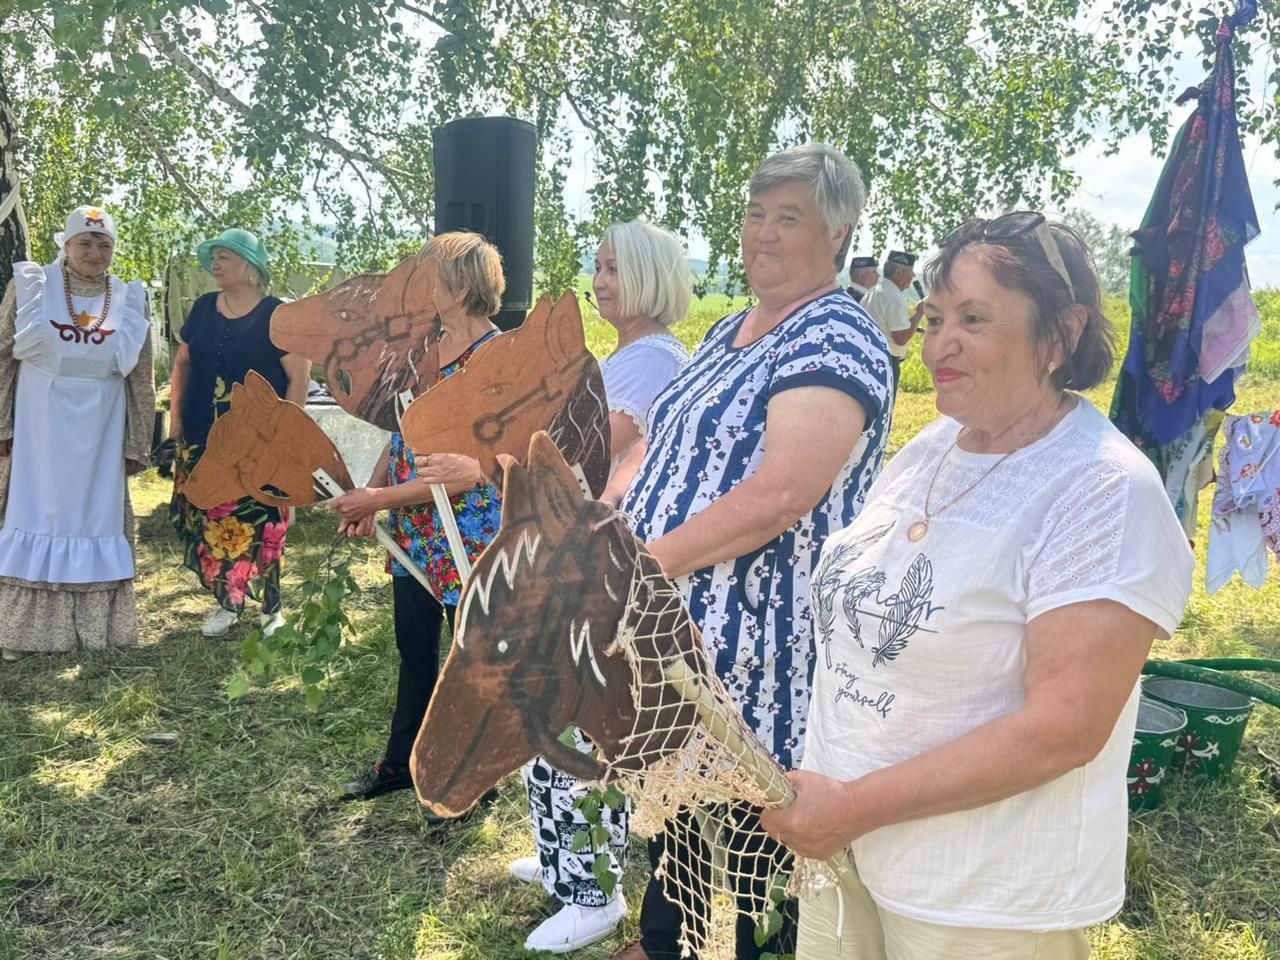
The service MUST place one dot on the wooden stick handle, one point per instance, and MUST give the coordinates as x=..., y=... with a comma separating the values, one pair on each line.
x=456, y=545
x=381, y=533
x=766, y=774
x=582, y=480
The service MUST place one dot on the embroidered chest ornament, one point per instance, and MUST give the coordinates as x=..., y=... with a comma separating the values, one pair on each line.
x=374, y=335
x=83, y=328
x=265, y=448
x=540, y=376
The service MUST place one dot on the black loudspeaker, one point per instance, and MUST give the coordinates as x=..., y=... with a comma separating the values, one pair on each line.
x=485, y=182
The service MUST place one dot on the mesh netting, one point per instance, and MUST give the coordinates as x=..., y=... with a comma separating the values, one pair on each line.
x=696, y=773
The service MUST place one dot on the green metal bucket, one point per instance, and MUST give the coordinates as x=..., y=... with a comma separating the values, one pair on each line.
x=1154, y=742
x=1216, y=719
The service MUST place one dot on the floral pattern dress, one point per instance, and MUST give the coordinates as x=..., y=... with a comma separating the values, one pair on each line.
x=234, y=548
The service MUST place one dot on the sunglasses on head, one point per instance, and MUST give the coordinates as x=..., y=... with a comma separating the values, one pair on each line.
x=1002, y=231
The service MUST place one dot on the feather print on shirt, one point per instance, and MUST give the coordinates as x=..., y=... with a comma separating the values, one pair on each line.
x=826, y=583
x=905, y=608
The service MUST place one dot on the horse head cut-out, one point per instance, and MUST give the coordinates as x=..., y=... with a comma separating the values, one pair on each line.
x=374, y=334
x=539, y=376
x=535, y=648
x=265, y=448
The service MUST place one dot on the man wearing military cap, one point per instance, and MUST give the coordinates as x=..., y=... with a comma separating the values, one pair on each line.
x=862, y=276
x=888, y=307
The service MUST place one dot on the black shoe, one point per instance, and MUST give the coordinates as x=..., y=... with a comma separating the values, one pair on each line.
x=431, y=820
x=383, y=778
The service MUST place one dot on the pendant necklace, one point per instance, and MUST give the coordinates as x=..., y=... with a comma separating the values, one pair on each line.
x=916, y=532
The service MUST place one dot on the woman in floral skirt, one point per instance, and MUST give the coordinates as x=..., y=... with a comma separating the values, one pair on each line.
x=235, y=548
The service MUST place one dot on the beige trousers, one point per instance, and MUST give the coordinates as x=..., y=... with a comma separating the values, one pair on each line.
x=870, y=932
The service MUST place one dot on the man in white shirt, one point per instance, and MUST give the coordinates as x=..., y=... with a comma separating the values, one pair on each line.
x=862, y=276
x=888, y=307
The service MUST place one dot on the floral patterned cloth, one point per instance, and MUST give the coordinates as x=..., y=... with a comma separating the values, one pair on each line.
x=418, y=528
x=1246, y=503
x=1192, y=316
x=236, y=547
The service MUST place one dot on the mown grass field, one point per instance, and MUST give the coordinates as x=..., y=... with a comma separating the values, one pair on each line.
x=143, y=815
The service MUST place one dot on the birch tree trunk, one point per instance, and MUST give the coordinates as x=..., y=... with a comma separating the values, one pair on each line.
x=13, y=226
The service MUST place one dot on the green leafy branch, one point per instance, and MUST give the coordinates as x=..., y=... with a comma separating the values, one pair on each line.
x=310, y=638
x=595, y=839
x=770, y=925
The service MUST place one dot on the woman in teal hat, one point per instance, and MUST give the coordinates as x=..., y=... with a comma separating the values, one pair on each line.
x=235, y=548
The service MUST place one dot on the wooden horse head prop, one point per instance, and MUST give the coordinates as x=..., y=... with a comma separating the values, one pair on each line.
x=535, y=649
x=375, y=336
x=265, y=448
x=538, y=377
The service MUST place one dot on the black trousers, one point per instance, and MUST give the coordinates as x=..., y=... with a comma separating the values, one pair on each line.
x=419, y=618
x=749, y=852
x=896, y=364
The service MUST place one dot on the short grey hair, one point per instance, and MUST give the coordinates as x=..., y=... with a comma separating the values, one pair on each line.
x=653, y=271
x=835, y=180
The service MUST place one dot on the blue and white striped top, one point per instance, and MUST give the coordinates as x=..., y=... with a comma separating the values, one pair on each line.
x=706, y=435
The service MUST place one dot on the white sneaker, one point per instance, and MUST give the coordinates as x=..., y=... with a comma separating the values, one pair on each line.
x=527, y=870
x=218, y=623
x=270, y=622
x=573, y=926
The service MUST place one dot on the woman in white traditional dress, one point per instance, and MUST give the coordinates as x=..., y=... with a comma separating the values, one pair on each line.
x=77, y=404
x=642, y=286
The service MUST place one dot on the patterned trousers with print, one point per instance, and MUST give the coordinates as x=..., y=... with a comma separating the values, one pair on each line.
x=566, y=875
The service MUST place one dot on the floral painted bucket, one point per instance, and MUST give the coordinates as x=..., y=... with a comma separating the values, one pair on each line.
x=1216, y=719
x=1154, y=742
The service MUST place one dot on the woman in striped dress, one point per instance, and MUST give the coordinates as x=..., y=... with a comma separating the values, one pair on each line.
x=765, y=443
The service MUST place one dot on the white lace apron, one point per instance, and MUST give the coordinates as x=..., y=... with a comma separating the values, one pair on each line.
x=65, y=517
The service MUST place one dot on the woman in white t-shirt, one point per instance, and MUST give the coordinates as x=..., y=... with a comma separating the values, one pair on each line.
x=642, y=286
x=980, y=631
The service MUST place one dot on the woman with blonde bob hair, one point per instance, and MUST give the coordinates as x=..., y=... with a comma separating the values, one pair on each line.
x=468, y=293
x=642, y=287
